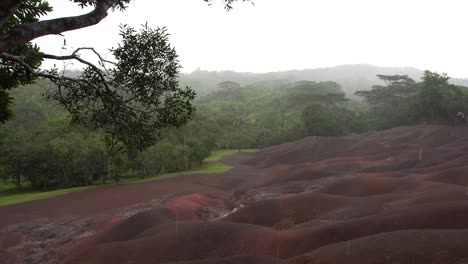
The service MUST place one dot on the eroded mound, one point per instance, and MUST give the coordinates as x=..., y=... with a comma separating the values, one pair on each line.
x=403, y=247
x=396, y=196
x=322, y=200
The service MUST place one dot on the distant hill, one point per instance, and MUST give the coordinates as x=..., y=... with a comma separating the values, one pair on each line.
x=352, y=78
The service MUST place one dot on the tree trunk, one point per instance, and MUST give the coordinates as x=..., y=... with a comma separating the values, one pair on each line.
x=7, y=9
x=24, y=33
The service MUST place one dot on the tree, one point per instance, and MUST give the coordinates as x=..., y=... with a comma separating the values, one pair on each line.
x=388, y=104
x=198, y=152
x=228, y=91
x=108, y=98
x=437, y=99
x=397, y=87
x=322, y=120
x=403, y=101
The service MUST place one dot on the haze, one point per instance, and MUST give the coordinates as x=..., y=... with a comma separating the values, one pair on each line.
x=276, y=35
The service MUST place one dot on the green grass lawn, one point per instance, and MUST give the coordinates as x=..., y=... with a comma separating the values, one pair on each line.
x=10, y=195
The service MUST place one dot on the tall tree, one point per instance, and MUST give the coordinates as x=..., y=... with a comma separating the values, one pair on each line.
x=105, y=95
x=388, y=103
x=323, y=120
x=437, y=99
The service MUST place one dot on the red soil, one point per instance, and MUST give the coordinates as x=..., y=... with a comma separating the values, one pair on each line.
x=186, y=207
x=396, y=196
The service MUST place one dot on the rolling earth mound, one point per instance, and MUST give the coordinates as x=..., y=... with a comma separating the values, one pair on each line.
x=395, y=196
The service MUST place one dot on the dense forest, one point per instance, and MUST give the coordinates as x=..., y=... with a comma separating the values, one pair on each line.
x=40, y=149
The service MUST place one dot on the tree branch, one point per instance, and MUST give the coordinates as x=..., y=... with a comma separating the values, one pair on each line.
x=104, y=94
x=7, y=9
x=20, y=61
x=75, y=56
x=27, y=32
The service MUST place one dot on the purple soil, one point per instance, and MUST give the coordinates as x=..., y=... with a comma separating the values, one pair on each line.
x=396, y=196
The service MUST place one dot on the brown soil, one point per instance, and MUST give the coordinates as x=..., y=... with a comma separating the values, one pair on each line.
x=396, y=196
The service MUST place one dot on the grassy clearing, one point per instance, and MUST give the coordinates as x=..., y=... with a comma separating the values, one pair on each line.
x=13, y=196
x=210, y=165
x=10, y=195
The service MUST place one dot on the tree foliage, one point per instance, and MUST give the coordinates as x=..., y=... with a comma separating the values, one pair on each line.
x=138, y=97
x=404, y=101
x=321, y=120
x=388, y=104
x=117, y=97
x=40, y=149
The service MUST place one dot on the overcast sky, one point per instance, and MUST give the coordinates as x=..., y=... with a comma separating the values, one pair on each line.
x=275, y=35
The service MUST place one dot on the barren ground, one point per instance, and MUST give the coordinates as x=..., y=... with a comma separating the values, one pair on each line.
x=397, y=196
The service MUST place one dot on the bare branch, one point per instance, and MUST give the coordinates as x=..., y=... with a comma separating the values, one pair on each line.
x=228, y=3
x=101, y=59
x=105, y=95
x=75, y=56
x=20, y=61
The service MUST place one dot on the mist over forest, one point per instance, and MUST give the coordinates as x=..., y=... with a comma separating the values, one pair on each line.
x=352, y=78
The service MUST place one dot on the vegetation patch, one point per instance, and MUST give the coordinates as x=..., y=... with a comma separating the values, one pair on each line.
x=212, y=164
x=10, y=195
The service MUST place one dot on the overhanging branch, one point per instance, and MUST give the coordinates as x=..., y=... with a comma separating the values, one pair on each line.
x=27, y=32
x=20, y=61
x=103, y=92
x=75, y=56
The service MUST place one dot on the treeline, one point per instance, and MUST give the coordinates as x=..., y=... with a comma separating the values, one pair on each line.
x=270, y=113
x=41, y=150
x=274, y=112
x=403, y=101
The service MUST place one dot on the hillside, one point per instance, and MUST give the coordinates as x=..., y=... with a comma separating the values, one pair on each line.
x=351, y=77
x=395, y=196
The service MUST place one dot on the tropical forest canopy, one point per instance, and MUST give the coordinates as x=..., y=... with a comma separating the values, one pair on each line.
x=41, y=149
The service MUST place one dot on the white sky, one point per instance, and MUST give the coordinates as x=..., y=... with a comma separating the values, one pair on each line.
x=275, y=35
